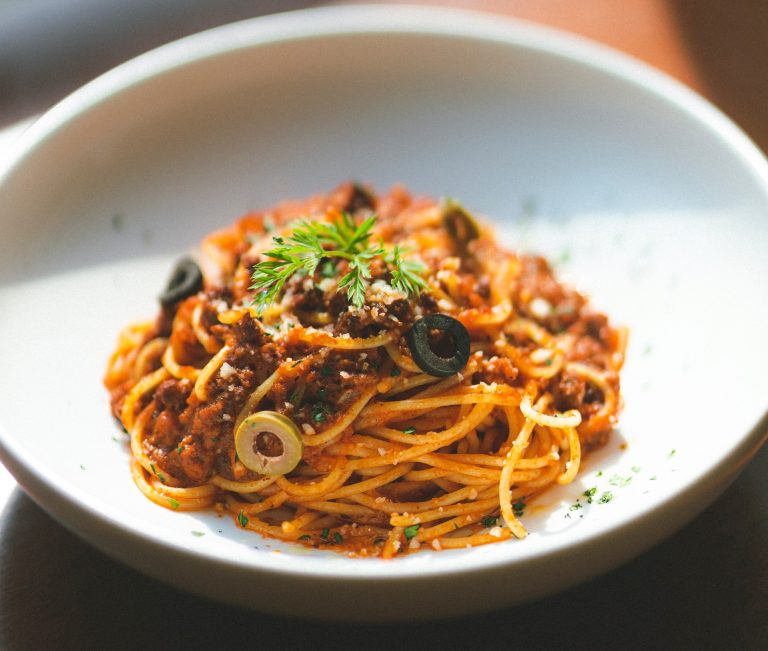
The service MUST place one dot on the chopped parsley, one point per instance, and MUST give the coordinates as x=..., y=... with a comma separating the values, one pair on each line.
x=409, y=430
x=337, y=537
x=197, y=534
x=174, y=504
x=518, y=507
x=325, y=533
x=319, y=412
x=325, y=371
x=672, y=453
x=82, y=467
x=618, y=480
x=489, y=521
x=395, y=372
x=606, y=497
x=635, y=469
x=575, y=506
x=411, y=531
x=590, y=493
x=305, y=537
x=242, y=519
x=179, y=449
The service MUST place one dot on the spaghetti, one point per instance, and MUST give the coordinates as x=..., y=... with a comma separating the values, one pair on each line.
x=374, y=446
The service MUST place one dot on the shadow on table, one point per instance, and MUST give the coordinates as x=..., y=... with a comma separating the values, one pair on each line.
x=703, y=588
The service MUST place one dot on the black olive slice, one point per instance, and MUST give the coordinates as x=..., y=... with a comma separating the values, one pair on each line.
x=186, y=280
x=359, y=199
x=426, y=358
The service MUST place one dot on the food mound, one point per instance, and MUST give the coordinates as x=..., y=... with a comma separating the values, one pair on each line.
x=365, y=373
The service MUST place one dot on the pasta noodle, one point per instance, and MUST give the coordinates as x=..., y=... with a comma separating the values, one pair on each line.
x=399, y=443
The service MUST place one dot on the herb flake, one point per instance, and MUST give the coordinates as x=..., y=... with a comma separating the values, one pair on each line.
x=411, y=531
x=606, y=497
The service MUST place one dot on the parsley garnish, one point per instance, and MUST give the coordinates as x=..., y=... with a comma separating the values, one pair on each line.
x=325, y=371
x=174, y=504
x=405, y=275
x=519, y=507
x=411, y=531
x=242, y=519
x=337, y=537
x=324, y=533
x=635, y=469
x=606, y=497
x=618, y=480
x=328, y=269
x=395, y=372
x=197, y=534
x=576, y=505
x=489, y=521
x=311, y=243
x=590, y=493
x=409, y=430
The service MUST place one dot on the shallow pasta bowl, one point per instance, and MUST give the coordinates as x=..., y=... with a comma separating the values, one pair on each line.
x=640, y=191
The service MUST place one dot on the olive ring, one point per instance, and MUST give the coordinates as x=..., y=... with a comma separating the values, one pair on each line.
x=429, y=361
x=186, y=280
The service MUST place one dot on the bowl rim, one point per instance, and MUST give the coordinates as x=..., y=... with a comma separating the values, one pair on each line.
x=324, y=22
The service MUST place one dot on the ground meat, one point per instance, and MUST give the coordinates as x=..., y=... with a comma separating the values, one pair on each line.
x=361, y=323
x=172, y=394
x=497, y=369
x=568, y=391
x=166, y=430
x=561, y=305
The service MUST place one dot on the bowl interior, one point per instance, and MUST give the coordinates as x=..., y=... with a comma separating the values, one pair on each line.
x=651, y=205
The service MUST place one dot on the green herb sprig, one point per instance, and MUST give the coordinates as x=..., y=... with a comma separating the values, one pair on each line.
x=312, y=242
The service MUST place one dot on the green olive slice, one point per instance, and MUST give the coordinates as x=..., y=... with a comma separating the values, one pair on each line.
x=430, y=361
x=269, y=443
x=461, y=226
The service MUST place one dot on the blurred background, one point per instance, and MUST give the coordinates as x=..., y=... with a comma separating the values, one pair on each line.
x=719, y=47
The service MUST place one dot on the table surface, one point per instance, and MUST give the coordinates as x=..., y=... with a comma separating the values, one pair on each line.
x=705, y=587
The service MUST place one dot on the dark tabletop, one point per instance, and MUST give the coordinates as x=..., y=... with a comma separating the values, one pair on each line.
x=704, y=588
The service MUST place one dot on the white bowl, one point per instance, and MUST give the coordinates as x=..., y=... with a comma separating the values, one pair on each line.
x=650, y=199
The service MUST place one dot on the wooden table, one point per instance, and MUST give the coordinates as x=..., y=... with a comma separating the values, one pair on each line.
x=704, y=588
